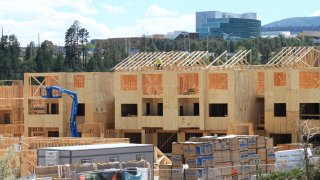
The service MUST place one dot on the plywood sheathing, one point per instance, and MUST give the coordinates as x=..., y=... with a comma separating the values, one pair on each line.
x=260, y=83
x=79, y=81
x=309, y=80
x=295, y=91
x=128, y=82
x=188, y=83
x=95, y=90
x=218, y=81
x=152, y=84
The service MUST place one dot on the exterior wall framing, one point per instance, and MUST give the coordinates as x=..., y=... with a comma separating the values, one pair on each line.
x=95, y=90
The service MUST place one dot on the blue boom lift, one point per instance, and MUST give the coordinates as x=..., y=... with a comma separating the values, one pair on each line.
x=74, y=96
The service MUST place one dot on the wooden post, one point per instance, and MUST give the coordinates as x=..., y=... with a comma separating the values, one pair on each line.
x=154, y=139
x=181, y=136
x=143, y=136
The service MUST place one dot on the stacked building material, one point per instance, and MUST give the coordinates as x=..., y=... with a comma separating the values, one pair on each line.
x=199, y=157
x=26, y=149
x=177, y=161
x=233, y=156
x=94, y=170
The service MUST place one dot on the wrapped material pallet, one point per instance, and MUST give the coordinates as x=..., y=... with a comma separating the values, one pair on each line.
x=207, y=138
x=193, y=174
x=252, y=166
x=177, y=161
x=199, y=161
x=241, y=168
x=269, y=142
x=191, y=149
x=239, y=156
x=177, y=173
x=252, y=153
x=165, y=171
x=177, y=148
x=262, y=153
x=261, y=142
x=263, y=166
x=252, y=142
x=221, y=169
x=270, y=167
x=222, y=156
x=238, y=143
x=244, y=177
x=221, y=143
x=271, y=157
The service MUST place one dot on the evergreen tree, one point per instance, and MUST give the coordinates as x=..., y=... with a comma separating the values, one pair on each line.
x=44, y=58
x=76, y=39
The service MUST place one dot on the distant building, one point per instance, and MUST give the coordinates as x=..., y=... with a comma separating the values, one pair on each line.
x=227, y=25
x=315, y=35
x=182, y=34
x=275, y=33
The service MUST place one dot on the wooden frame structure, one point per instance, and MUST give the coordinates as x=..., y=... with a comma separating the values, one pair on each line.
x=163, y=60
x=222, y=79
x=11, y=108
x=290, y=57
x=248, y=91
x=241, y=58
x=50, y=117
x=182, y=60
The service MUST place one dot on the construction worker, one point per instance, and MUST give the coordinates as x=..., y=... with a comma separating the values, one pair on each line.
x=159, y=63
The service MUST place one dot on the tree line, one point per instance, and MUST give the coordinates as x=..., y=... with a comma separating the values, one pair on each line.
x=79, y=54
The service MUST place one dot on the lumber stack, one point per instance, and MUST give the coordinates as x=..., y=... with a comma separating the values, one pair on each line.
x=198, y=156
x=224, y=157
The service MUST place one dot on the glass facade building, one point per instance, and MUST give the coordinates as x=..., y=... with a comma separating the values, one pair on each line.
x=220, y=24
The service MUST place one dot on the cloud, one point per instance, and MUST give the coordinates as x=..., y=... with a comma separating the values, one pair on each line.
x=317, y=13
x=259, y=17
x=52, y=18
x=158, y=25
x=113, y=9
x=36, y=8
x=157, y=11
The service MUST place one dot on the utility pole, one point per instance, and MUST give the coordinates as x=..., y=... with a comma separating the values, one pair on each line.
x=208, y=43
x=1, y=32
x=38, y=39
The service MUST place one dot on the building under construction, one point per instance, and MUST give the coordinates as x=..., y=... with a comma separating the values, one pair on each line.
x=51, y=117
x=162, y=97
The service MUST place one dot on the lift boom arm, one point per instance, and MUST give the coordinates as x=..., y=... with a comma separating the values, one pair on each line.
x=74, y=96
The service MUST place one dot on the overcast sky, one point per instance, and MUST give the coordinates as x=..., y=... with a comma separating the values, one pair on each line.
x=123, y=18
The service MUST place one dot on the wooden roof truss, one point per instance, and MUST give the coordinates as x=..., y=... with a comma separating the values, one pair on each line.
x=303, y=56
x=148, y=60
x=241, y=58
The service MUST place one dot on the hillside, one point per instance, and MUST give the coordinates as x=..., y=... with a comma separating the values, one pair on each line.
x=295, y=24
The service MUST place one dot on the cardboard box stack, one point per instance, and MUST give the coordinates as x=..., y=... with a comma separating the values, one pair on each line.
x=225, y=157
x=198, y=156
x=165, y=172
